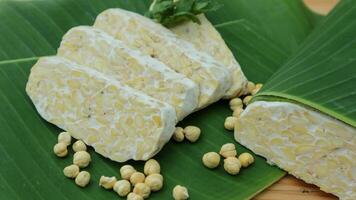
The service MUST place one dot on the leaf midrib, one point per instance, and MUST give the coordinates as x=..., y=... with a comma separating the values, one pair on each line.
x=20, y=60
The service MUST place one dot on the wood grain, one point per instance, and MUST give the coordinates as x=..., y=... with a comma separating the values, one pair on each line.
x=293, y=189
x=290, y=188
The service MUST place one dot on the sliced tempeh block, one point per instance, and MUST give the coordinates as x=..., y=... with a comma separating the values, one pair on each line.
x=155, y=40
x=119, y=122
x=306, y=143
x=94, y=48
x=206, y=38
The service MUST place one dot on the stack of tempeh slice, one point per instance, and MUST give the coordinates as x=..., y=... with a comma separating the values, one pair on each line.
x=93, y=48
x=122, y=85
x=142, y=34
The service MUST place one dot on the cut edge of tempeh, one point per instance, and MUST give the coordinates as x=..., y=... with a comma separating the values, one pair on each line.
x=94, y=48
x=307, y=143
x=206, y=38
x=119, y=122
x=153, y=39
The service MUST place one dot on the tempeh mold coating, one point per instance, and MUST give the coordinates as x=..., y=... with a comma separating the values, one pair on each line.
x=155, y=40
x=308, y=144
x=119, y=122
x=206, y=38
x=94, y=48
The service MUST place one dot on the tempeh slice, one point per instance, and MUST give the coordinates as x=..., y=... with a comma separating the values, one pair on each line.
x=155, y=40
x=308, y=144
x=121, y=123
x=206, y=38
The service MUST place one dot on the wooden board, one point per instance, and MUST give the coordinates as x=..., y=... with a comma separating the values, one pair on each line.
x=293, y=189
x=289, y=187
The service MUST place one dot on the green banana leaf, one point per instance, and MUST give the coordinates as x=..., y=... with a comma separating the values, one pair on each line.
x=322, y=74
x=263, y=34
x=33, y=28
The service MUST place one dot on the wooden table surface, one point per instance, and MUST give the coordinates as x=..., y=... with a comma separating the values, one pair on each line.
x=290, y=188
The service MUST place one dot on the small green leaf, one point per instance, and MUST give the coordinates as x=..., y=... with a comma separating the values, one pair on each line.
x=179, y=18
x=164, y=7
x=161, y=9
x=202, y=6
x=170, y=13
x=183, y=6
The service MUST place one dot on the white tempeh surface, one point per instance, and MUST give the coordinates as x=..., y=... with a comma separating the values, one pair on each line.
x=94, y=48
x=121, y=123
